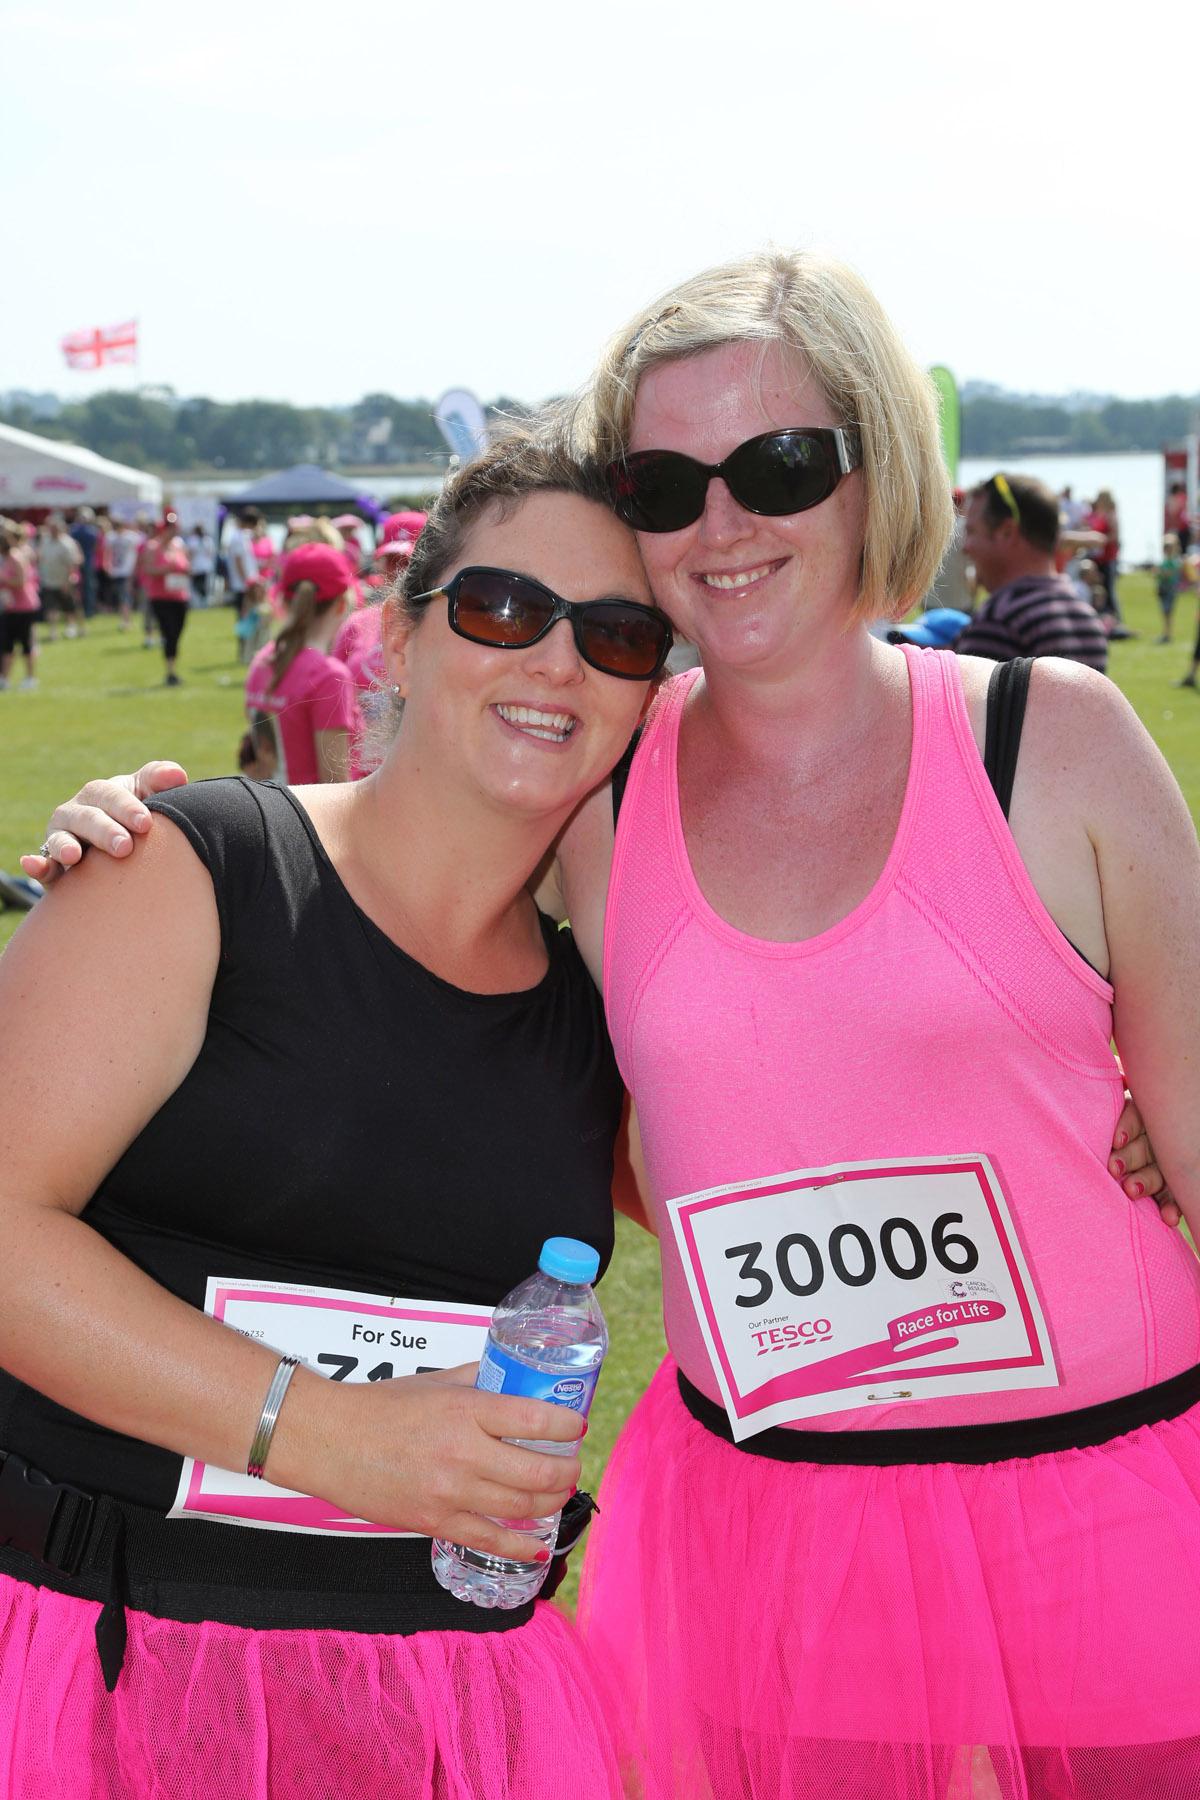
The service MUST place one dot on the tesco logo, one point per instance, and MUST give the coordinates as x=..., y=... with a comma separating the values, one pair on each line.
x=792, y=1337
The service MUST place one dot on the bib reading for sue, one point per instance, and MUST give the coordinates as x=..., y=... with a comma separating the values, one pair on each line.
x=862, y=1284
x=347, y=1337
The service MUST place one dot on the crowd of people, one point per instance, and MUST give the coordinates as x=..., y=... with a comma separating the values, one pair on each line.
x=1027, y=573
x=866, y=920
x=62, y=572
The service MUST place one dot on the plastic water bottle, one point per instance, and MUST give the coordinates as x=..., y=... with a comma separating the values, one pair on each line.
x=547, y=1340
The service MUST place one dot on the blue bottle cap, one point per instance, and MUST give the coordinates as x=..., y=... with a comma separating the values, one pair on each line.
x=566, y=1259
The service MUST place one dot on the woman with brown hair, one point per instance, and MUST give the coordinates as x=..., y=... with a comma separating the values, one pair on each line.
x=327, y=1050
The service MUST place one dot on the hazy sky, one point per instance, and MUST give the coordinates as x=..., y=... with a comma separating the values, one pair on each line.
x=313, y=202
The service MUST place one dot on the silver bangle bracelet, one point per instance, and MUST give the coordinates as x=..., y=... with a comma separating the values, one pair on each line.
x=269, y=1416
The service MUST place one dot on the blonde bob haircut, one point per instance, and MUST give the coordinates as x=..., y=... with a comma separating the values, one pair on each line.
x=825, y=316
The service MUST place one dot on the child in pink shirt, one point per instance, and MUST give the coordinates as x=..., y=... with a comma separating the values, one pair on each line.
x=307, y=693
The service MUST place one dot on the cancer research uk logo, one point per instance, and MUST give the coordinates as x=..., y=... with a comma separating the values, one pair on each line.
x=961, y=1289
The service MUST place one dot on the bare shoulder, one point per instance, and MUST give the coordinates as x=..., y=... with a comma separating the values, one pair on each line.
x=1089, y=758
x=1078, y=724
x=105, y=992
x=126, y=906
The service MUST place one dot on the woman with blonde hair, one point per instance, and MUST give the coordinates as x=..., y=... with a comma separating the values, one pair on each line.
x=296, y=683
x=913, y=1508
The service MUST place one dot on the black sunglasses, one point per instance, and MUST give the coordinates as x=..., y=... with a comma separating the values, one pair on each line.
x=511, y=612
x=777, y=473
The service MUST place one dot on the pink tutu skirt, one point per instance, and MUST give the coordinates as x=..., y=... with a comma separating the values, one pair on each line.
x=1016, y=1630
x=214, y=1710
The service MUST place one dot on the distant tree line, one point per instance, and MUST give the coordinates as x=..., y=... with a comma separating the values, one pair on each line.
x=153, y=429
x=1003, y=426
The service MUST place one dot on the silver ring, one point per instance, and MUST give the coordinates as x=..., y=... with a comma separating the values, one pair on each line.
x=45, y=850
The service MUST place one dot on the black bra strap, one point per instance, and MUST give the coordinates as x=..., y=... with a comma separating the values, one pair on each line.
x=1008, y=691
x=620, y=774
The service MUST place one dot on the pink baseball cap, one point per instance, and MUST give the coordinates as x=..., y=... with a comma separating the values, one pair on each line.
x=347, y=522
x=325, y=567
x=405, y=525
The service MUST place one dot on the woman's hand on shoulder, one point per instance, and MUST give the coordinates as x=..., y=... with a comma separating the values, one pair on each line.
x=427, y=1453
x=105, y=815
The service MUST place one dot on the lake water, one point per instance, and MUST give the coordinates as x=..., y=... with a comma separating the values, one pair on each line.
x=1137, y=483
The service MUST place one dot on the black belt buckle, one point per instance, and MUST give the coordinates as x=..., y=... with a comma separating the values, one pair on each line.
x=30, y=1504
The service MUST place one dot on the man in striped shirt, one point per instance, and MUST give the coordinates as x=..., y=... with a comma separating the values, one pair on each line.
x=1031, y=610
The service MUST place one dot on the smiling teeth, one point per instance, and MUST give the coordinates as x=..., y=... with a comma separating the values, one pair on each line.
x=554, y=727
x=746, y=579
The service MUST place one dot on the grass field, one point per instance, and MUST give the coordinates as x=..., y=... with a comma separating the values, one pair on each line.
x=102, y=708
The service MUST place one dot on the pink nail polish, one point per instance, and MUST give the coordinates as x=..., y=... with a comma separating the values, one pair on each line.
x=541, y=1556
x=1118, y=1165
x=1137, y=1190
x=1121, y=1140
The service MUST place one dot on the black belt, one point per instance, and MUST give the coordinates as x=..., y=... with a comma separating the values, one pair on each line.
x=1083, y=1429
x=95, y=1547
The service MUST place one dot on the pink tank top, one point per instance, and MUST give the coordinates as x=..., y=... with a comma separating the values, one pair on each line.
x=945, y=1014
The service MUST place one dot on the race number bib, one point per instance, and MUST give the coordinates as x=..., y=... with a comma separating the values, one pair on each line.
x=348, y=1337
x=859, y=1285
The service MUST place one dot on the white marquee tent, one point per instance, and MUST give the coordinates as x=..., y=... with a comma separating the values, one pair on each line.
x=37, y=471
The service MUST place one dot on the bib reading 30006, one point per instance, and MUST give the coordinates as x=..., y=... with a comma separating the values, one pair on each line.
x=862, y=1284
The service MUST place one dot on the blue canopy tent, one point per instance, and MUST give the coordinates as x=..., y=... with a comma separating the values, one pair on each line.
x=304, y=487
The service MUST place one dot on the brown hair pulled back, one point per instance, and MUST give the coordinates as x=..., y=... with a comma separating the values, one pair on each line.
x=531, y=459
x=304, y=609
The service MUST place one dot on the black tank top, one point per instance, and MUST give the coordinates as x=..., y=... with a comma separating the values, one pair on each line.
x=351, y=1119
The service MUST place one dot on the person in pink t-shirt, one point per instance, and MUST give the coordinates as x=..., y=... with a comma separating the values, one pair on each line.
x=265, y=555
x=19, y=604
x=359, y=632
x=359, y=643
x=306, y=692
x=167, y=584
x=348, y=525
